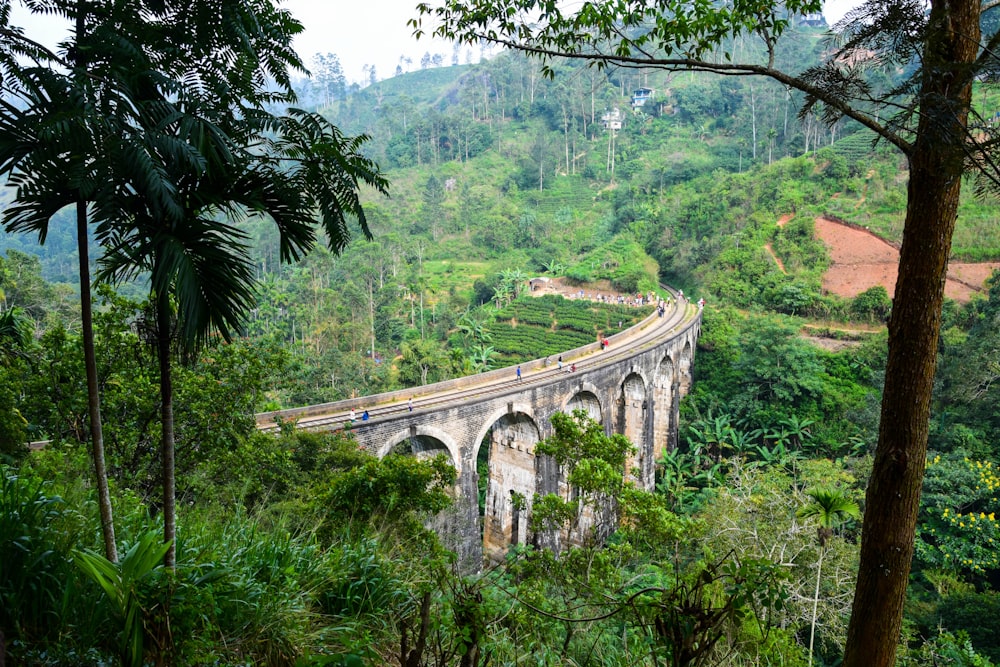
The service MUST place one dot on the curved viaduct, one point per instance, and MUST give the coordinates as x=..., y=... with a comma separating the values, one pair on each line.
x=633, y=387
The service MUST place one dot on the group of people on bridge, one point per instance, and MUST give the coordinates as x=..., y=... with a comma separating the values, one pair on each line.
x=636, y=300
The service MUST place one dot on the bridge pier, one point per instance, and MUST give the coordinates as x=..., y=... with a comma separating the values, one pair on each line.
x=511, y=485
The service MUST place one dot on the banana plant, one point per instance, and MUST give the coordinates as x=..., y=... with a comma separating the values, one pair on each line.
x=714, y=434
x=555, y=267
x=501, y=296
x=514, y=280
x=482, y=358
x=797, y=430
x=778, y=455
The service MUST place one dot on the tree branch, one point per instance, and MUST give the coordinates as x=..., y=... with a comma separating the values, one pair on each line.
x=725, y=69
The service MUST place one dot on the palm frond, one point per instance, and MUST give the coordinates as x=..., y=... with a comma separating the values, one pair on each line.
x=330, y=168
x=829, y=507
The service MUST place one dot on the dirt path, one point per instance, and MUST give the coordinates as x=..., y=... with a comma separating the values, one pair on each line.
x=770, y=249
x=777, y=260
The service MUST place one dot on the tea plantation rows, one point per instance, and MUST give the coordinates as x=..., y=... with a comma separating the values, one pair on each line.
x=535, y=327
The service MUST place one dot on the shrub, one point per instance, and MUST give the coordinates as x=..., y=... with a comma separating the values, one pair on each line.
x=872, y=305
x=37, y=532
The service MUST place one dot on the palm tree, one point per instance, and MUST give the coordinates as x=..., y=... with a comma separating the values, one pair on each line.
x=197, y=260
x=51, y=148
x=79, y=111
x=205, y=265
x=829, y=507
x=160, y=102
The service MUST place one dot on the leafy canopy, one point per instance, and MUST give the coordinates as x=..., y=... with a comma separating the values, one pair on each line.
x=623, y=32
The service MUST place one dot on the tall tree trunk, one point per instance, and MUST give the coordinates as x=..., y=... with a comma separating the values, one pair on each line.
x=812, y=627
x=167, y=426
x=93, y=393
x=893, y=496
x=89, y=355
x=371, y=313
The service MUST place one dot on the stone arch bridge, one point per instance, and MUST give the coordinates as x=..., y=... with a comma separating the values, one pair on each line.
x=632, y=387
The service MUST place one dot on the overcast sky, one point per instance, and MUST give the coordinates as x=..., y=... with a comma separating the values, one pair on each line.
x=359, y=32
x=363, y=32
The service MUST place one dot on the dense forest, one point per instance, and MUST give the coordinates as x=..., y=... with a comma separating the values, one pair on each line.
x=300, y=549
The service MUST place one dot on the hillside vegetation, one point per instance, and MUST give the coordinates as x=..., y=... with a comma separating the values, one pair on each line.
x=300, y=549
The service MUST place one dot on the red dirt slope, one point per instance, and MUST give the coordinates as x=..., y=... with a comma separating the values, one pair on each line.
x=862, y=260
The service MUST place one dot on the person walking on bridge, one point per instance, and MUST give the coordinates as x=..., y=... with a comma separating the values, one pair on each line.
x=519, y=373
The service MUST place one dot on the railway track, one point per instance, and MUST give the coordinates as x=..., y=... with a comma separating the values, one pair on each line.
x=332, y=416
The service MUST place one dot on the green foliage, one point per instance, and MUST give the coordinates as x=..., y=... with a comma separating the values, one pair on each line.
x=694, y=614
x=621, y=261
x=23, y=287
x=390, y=489
x=958, y=528
x=594, y=462
x=948, y=648
x=13, y=426
x=423, y=362
x=966, y=629
x=246, y=590
x=120, y=583
x=768, y=381
x=37, y=531
x=754, y=514
x=872, y=305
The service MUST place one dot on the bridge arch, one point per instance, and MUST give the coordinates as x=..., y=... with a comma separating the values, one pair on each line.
x=422, y=439
x=632, y=420
x=586, y=399
x=511, y=478
x=684, y=369
x=664, y=411
x=425, y=440
x=491, y=420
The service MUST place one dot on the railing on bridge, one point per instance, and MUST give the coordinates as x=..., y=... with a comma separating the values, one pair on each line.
x=268, y=421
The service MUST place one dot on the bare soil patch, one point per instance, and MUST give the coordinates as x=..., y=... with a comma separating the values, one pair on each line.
x=861, y=260
x=831, y=344
x=562, y=288
x=835, y=337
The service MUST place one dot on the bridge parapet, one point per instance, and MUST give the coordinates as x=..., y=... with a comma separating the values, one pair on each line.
x=268, y=420
x=633, y=387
